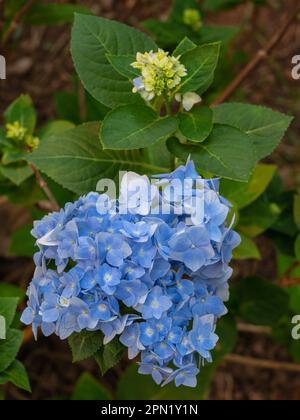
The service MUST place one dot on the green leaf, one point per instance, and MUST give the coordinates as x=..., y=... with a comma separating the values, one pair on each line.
x=227, y=152
x=200, y=63
x=167, y=34
x=122, y=64
x=109, y=355
x=53, y=13
x=294, y=294
x=197, y=124
x=261, y=302
x=9, y=348
x=22, y=243
x=62, y=195
x=17, y=174
x=11, y=7
x=258, y=217
x=22, y=110
x=297, y=248
x=247, y=250
x=217, y=33
x=76, y=160
x=131, y=127
x=66, y=105
x=134, y=386
x=183, y=47
x=87, y=388
x=8, y=307
x=296, y=209
x=243, y=195
x=92, y=39
x=9, y=290
x=17, y=375
x=55, y=127
x=228, y=335
x=158, y=154
x=95, y=110
x=84, y=344
x=285, y=223
x=11, y=155
x=27, y=194
x=4, y=142
x=2, y=328
x=264, y=126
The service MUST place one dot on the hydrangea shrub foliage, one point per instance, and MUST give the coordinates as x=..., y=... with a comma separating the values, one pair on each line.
x=150, y=281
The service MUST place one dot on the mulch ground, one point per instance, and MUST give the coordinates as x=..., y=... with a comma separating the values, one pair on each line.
x=39, y=63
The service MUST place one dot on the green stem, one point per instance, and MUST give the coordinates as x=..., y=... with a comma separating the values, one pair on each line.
x=168, y=105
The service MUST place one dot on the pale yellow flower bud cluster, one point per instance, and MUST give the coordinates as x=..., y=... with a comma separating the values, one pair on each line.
x=15, y=131
x=161, y=74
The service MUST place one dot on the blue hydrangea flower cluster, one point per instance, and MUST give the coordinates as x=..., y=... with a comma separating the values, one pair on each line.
x=157, y=281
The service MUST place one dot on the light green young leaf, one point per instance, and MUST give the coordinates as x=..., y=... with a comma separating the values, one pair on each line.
x=200, y=63
x=265, y=127
x=22, y=110
x=92, y=39
x=197, y=124
x=76, y=160
x=132, y=127
x=17, y=375
x=227, y=152
x=243, y=195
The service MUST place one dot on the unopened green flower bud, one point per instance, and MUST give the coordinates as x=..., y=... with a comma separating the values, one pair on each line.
x=192, y=18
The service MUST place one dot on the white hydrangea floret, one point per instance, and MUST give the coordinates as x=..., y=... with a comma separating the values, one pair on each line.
x=188, y=100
